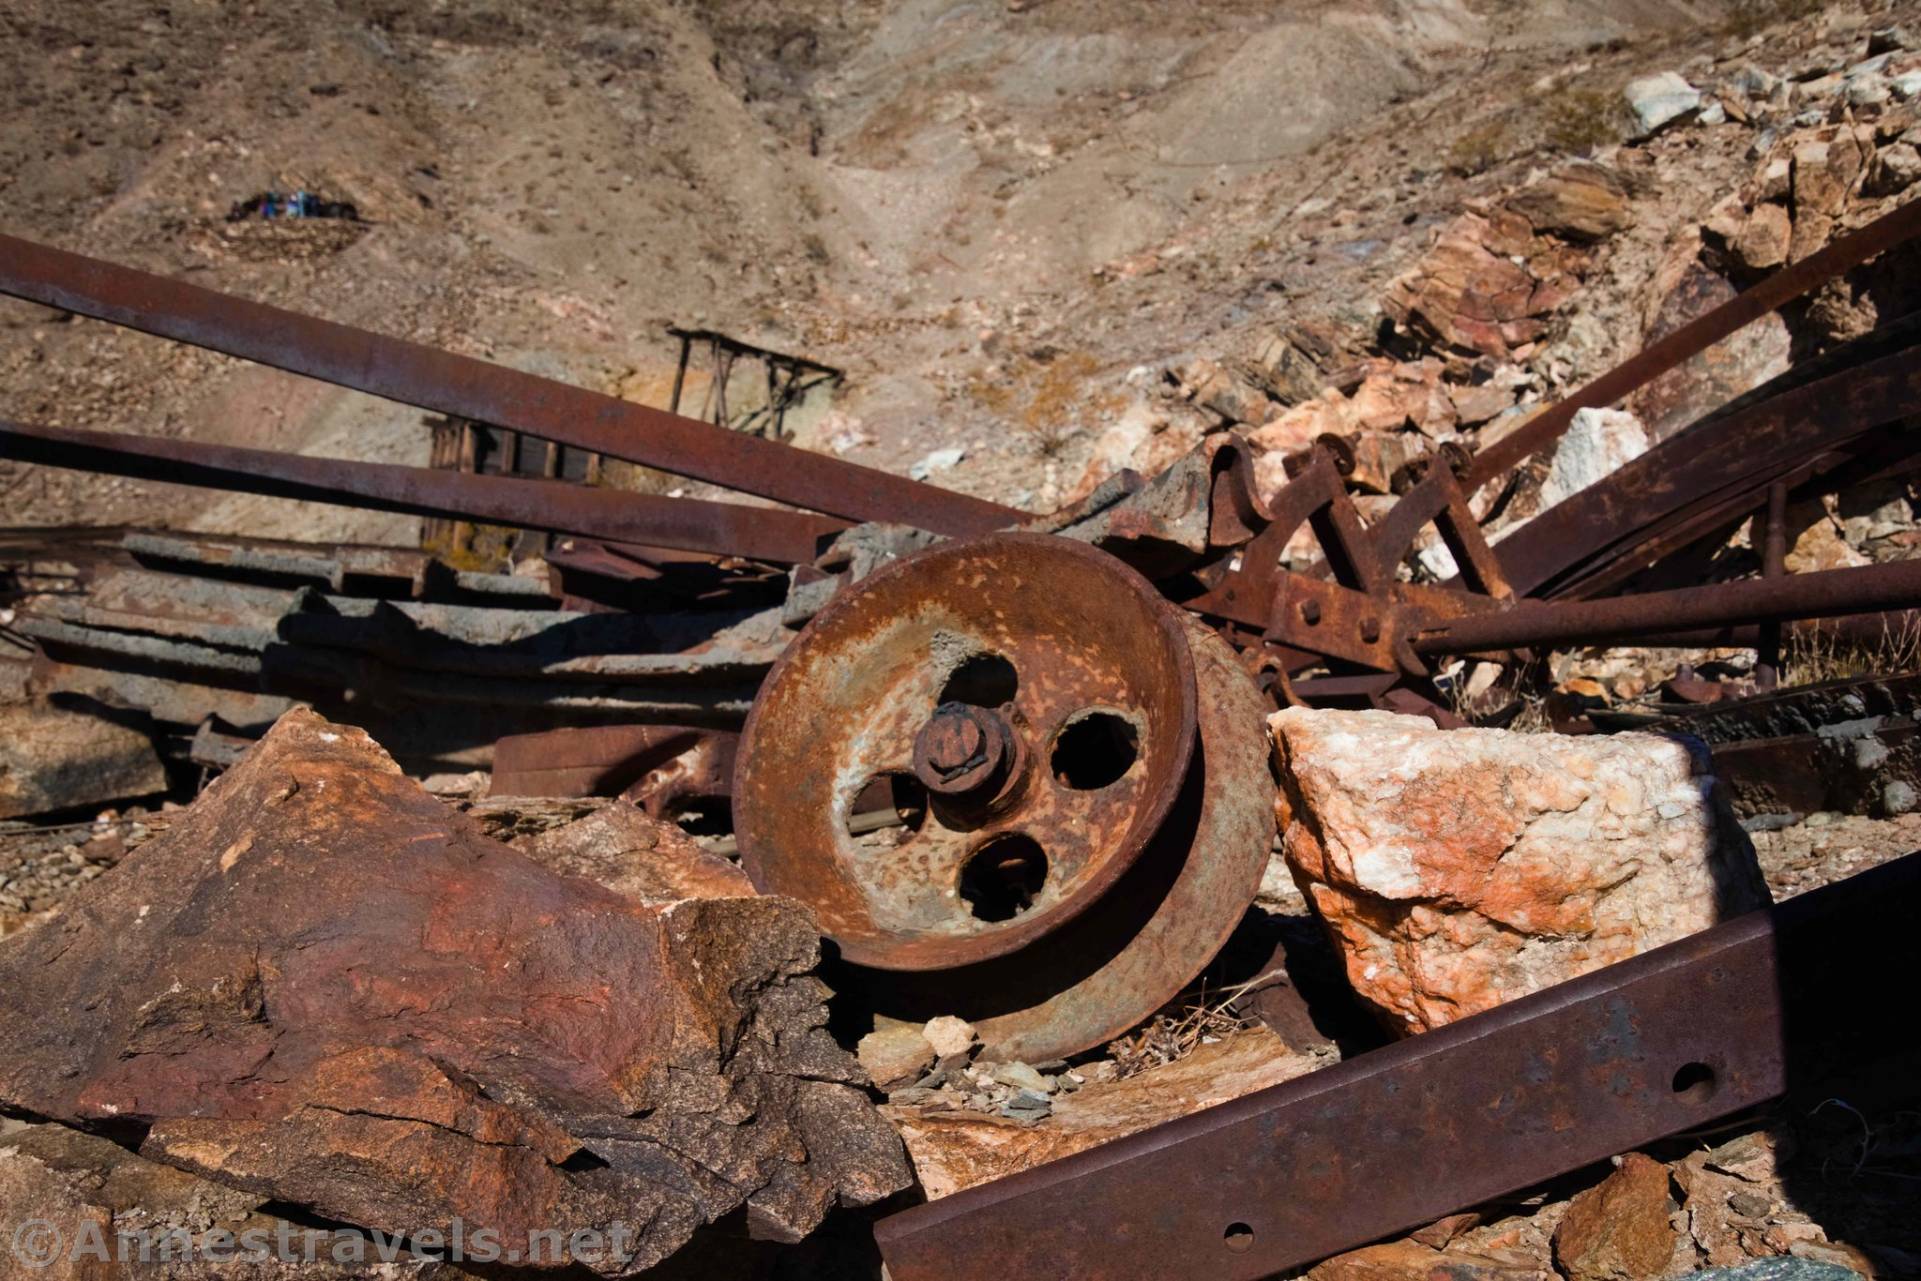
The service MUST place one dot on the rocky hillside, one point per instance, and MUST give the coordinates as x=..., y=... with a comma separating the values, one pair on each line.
x=1004, y=218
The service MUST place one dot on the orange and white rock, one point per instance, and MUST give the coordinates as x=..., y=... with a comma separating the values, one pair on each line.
x=1457, y=869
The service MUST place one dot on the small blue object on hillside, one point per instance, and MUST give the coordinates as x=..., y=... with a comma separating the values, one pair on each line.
x=299, y=204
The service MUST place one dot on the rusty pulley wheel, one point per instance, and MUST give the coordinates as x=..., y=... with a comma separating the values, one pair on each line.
x=982, y=767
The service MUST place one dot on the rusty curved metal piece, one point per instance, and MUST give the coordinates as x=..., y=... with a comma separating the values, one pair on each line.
x=466, y=387
x=683, y=524
x=1038, y=693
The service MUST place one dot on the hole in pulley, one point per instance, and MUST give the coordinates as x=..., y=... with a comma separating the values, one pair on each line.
x=982, y=680
x=1002, y=878
x=1095, y=750
x=893, y=801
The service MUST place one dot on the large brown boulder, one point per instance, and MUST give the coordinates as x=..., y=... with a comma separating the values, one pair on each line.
x=1580, y=201
x=1487, y=285
x=1457, y=869
x=325, y=987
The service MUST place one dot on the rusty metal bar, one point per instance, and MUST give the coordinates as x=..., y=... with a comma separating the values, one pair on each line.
x=1784, y=286
x=1759, y=600
x=755, y=533
x=1396, y=1138
x=1774, y=563
x=680, y=374
x=461, y=385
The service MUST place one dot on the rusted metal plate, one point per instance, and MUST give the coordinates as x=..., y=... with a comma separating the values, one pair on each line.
x=1084, y=688
x=683, y=523
x=1400, y=1136
x=209, y=611
x=468, y=388
x=1338, y=622
x=1856, y=772
x=360, y=570
x=1807, y=709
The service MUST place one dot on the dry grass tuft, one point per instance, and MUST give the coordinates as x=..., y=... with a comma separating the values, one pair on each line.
x=1749, y=17
x=1579, y=120
x=1812, y=654
x=1194, y=1018
x=1481, y=148
x=1050, y=401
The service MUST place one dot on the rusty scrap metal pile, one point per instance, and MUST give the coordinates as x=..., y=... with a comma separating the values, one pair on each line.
x=1017, y=766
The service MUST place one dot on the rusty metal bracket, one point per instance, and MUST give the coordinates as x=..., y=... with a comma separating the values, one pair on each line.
x=1337, y=622
x=1243, y=586
x=1672, y=1039
x=1360, y=615
x=1438, y=498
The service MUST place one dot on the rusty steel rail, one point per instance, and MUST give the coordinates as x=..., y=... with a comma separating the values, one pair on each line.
x=685, y=524
x=1392, y=1139
x=1788, y=598
x=1893, y=228
x=466, y=387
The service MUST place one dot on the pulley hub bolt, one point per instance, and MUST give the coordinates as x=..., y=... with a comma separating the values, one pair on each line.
x=964, y=752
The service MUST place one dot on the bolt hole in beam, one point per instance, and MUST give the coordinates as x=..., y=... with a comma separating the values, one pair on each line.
x=893, y=800
x=1238, y=1237
x=1002, y=878
x=1694, y=1082
x=1095, y=750
x=983, y=680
